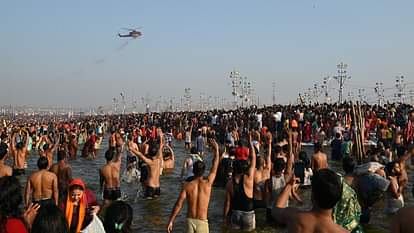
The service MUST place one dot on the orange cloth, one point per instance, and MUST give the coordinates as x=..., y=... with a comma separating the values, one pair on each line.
x=82, y=205
x=294, y=123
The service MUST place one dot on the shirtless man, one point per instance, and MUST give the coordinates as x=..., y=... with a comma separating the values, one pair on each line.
x=296, y=143
x=169, y=159
x=154, y=163
x=63, y=171
x=197, y=192
x=19, y=152
x=319, y=159
x=326, y=192
x=110, y=175
x=264, y=166
x=48, y=151
x=402, y=156
x=4, y=169
x=73, y=145
x=403, y=220
x=42, y=185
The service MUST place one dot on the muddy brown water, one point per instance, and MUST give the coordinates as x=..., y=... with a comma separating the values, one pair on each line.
x=152, y=215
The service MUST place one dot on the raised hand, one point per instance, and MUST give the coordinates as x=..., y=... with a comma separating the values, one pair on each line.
x=30, y=214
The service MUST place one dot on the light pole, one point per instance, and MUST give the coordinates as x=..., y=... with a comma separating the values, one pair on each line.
x=123, y=102
x=380, y=92
x=342, y=76
x=361, y=95
x=235, y=84
x=399, y=84
x=115, y=103
x=187, y=96
x=325, y=88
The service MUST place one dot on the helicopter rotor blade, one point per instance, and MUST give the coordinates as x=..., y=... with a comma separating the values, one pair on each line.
x=131, y=29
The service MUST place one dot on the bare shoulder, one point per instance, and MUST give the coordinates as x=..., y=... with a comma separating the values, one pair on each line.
x=51, y=174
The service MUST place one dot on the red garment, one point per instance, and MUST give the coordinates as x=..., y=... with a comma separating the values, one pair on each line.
x=93, y=139
x=153, y=132
x=308, y=133
x=242, y=153
x=15, y=225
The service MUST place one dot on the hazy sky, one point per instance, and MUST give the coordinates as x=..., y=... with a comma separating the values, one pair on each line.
x=67, y=53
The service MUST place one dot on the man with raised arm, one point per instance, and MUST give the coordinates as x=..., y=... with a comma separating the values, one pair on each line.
x=326, y=192
x=19, y=152
x=154, y=162
x=48, y=151
x=239, y=194
x=197, y=191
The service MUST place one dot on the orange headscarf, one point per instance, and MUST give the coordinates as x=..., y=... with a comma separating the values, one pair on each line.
x=82, y=205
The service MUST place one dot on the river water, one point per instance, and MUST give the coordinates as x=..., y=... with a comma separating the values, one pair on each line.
x=152, y=215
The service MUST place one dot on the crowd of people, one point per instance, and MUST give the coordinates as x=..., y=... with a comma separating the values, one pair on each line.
x=259, y=158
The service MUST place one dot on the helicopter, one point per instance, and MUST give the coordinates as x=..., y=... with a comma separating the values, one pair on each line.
x=134, y=33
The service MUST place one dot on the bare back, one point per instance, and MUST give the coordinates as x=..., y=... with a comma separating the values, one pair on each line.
x=19, y=158
x=5, y=170
x=319, y=161
x=43, y=184
x=154, y=174
x=110, y=172
x=198, y=197
x=64, y=174
x=403, y=221
x=311, y=222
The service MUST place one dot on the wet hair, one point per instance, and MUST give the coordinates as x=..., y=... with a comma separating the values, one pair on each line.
x=277, y=149
x=389, y=168
x=130, y=137
x=118, y=218
x=193, y=150
x=45, y=146
x=242, y=142
x=109, y=154
x=153, y=150
x=10, y=200
x=304, y=157
x=61, y=155
x=240, y=167
x=348, y=164
x=285, y=148
x=3, y=150
x=260, y=161
x=198, y=168
x=326, y=188
x=401, y=150
x=50, y=219
x=279, y=165
x=317, y=147
x=19, y=145
x=42, y=162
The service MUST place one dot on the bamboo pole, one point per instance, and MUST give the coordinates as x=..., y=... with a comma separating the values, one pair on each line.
x=357, y=138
